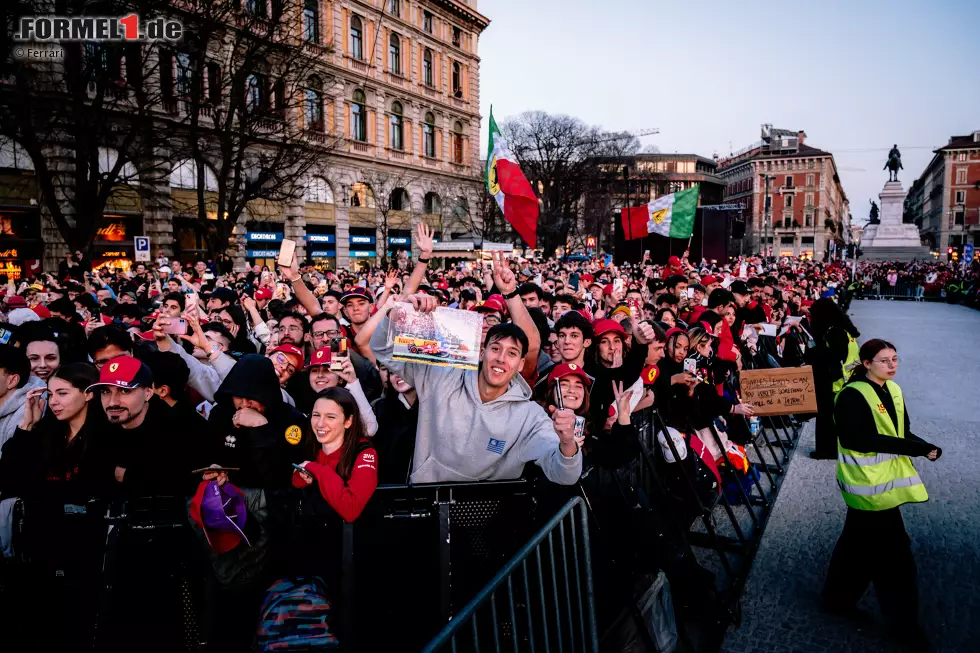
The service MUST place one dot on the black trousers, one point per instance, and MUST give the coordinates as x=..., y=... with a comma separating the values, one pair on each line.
x=874, y=548
x=826, y=433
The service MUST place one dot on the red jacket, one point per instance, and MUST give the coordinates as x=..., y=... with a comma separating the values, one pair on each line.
x=347, y=498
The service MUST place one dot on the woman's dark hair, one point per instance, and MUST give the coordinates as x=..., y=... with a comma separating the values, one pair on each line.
x=826, y=314
x=660, y=314
x=868, y=351
x=583, y=410
x=80, y=375
x=352, y=436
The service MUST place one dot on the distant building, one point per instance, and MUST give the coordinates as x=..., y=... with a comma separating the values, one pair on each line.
x=803, y=209
x=948, y=214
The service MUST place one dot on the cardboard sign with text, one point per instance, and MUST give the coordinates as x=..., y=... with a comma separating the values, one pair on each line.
x=780, y=391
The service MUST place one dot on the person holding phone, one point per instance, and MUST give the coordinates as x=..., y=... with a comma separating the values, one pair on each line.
x=344, y=464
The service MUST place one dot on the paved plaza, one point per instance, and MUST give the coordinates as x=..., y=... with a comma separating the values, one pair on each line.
x=940, y=375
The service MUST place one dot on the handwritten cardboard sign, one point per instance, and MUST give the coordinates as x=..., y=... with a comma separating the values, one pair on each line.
x=780, y=391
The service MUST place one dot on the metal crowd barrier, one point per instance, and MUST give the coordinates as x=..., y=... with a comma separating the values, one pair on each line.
x=542, y=599
x=903, y=289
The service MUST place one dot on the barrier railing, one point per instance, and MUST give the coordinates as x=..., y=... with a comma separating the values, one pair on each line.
x=520, y=608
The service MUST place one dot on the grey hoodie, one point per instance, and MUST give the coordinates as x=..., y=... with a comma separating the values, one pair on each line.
x=12, y=410
x=460, y=438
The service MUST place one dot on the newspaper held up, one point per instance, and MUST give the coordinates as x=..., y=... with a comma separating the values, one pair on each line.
x=446, y=337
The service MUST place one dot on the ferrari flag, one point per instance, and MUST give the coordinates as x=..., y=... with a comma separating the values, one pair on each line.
x=510, y=188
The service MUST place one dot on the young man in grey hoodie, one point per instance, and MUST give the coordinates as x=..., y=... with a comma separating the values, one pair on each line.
x=482, y=425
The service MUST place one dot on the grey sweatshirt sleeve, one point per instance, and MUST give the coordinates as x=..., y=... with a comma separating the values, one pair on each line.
x=203, y=378
x=541, y=445
x=383, y=351
x=368, y=420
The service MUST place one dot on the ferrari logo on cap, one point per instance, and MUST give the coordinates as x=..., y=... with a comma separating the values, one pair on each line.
x=572, y=366
x=113, y=367
x=294, y=434
x=319, y=354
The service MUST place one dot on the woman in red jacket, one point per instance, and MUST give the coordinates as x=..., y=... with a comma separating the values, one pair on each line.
x=345, y=467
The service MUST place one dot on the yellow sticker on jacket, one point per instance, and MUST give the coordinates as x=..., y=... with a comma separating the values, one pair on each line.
x=294, y=434
x=882, y=409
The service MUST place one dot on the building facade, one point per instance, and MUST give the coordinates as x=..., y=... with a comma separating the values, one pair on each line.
x=391, y=99
x=793, y=198
x=945, y=204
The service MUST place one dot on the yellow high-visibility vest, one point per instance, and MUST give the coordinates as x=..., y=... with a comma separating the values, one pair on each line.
x=853, y=360
x=879, y=481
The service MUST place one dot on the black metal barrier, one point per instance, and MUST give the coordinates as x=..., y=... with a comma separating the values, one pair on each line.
x=415, y=558
x=552, y=607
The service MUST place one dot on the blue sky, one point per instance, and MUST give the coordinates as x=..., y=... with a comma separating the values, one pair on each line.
x=857, y=75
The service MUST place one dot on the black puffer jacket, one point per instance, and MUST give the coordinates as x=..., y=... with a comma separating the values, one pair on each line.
x=264, y=454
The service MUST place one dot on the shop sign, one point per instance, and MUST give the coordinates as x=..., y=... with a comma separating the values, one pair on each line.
x=362, y=253
x=8, y=253
x=264, y=236
x=124, y=255
x=112, y=232
x=362, y=240
x=399, y=240
x=324, y=253
x=328, y=239
x=262, y=253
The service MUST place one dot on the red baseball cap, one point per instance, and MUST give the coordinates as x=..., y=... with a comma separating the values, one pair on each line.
x=607, y=289
x=357, y=292
x=320, y=357
x=708, y=280
x=602, y=327
x=569, y=369
x=124, y=372
x=291, y=350
x=263, y=293
x=42, y=311
x=674, y=330
x=16, y=301
x=674, y=261
x=588, y=278
x=492, y=304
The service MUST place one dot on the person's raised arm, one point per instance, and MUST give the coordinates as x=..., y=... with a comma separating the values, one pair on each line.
x=390, y=279
x=362, y=342
x=383, y=350
x=506, y=282
x=295, y=280
x=423, y=238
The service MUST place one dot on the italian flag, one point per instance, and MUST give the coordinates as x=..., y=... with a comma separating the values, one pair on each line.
x=671, y=215
x=510, y=187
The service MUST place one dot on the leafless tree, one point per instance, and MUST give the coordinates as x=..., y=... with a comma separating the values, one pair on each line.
x=393, y=201
x=554, y=152
x=87, y=120
x=247, y=101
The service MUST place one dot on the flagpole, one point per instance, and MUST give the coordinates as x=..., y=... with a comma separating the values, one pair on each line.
x=629, y=218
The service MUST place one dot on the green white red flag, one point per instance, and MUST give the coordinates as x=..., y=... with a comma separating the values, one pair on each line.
x=510, y=187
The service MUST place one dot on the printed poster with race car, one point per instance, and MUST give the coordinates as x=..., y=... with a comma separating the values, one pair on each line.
x=445, y=337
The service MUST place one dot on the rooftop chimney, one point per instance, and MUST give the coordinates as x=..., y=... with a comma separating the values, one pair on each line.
x=800, y=136
x=976, y=136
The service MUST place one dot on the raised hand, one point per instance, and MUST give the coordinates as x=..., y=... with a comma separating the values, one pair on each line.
x=622, y=399
x=291, y=272
x=33, y=408
x=391, y=279
x=423, y=238
x=503, y=276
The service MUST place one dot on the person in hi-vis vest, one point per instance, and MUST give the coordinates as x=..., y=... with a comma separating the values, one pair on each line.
x=876, y=476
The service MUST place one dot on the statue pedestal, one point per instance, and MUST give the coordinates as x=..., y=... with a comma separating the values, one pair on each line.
x=892, y=240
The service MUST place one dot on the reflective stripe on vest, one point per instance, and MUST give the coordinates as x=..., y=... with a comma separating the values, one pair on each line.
x=852, y=361
x=879, y=481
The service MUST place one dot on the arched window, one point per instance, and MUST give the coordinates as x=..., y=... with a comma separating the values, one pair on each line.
x=254, y=96
x=395, y=54
x=358, y=123
x=313, y=104
x=13, y=155
x=397, y=127
x=184, y=175
x=398, y=200
x=311, y=21
x=429, y=135
x=356, y=38
x=108, y=157
x=457, y=80
x=427, y=77
x=318, y=191
x=458, y=142
x=431, y=204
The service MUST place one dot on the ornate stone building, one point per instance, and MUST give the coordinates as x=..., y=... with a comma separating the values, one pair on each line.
x=391, y=99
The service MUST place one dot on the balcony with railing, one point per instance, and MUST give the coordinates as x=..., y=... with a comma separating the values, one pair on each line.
x=358, y=147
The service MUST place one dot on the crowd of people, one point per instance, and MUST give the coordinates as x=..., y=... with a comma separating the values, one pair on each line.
x=120, y=384
x=922, y=280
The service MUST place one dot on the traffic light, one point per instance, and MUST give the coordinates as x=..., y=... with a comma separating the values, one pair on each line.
x=949, y=254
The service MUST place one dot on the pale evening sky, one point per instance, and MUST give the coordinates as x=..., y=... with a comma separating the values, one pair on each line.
x=856, y=75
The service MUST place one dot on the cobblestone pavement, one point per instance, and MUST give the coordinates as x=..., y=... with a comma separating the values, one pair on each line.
x=940, y=376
